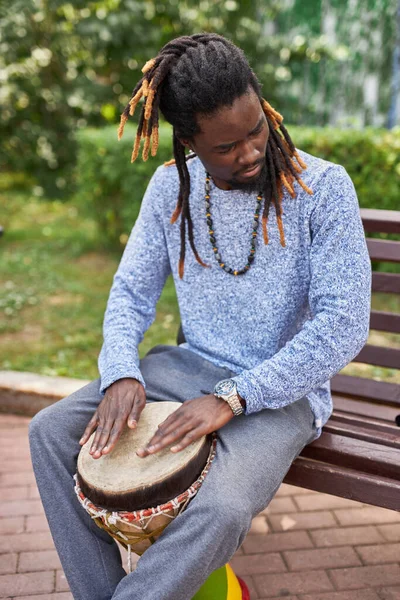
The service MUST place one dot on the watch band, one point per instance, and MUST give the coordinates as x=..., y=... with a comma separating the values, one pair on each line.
x=226, y=390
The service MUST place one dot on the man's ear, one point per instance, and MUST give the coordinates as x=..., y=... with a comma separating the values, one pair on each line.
x=186, y=143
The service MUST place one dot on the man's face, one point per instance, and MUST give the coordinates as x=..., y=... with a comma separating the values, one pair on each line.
x=233, y=141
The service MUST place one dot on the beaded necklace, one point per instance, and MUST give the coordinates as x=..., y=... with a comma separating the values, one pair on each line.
x=217, y=255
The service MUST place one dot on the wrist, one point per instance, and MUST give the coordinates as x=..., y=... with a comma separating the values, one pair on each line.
x=227, y=391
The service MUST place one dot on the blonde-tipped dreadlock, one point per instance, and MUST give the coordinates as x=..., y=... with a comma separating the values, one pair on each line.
x=148, y=123
x=281, y=155
x=174, y=83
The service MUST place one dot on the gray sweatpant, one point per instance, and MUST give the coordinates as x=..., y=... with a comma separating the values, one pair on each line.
x=254, y=453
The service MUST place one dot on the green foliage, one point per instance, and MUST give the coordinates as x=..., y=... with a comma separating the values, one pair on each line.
x=371, y=157
x=66, y=65
x=110, y=188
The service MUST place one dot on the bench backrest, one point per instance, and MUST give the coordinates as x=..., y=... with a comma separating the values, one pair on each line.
x=379, y=394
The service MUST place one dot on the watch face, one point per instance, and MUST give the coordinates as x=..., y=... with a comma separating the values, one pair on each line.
x=225, y=387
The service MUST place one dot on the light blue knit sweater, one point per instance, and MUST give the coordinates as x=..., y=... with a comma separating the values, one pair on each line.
x=296, y=318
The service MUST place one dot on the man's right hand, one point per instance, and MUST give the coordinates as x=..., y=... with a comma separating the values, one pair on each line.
x=123, y=403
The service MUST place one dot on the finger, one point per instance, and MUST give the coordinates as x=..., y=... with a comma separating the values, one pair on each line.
x=91, y=426
x=173, y=422
x=114, y=435
x=190, y=437
x=159, y=442
x=136, y=411
x=100, y=438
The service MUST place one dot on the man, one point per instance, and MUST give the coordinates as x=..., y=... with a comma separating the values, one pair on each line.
x=270, y=312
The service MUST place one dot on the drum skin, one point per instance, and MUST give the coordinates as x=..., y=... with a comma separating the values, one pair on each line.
x=122, y=481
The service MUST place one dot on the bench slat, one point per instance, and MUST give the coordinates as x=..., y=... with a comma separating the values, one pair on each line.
x=389, y=283
x=378, y=391
x=371, y=434
x=345, y=483
x=380, y=221
x=385, y=321
x=360, y=408
x=366, y=457
x=363, y=421
x=379, y=356
x=383, y=250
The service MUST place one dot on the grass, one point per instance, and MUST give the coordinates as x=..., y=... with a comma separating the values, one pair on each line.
x=54, y=285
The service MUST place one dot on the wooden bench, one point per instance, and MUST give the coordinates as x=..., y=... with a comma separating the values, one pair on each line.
x=358, y=453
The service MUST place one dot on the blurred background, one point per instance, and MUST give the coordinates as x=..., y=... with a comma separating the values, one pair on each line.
x=69, y=195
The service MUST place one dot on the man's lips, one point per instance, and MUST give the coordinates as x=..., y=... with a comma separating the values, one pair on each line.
x=250, y=173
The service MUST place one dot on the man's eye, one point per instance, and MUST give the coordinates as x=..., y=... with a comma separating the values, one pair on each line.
x=226, y=150
x=258, y=131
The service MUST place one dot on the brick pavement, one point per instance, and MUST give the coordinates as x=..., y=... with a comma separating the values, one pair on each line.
x=304, y=546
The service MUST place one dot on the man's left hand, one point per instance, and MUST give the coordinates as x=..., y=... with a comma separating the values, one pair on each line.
x=193, y=419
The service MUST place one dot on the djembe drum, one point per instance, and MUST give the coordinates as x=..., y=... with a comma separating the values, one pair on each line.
x=134, y=499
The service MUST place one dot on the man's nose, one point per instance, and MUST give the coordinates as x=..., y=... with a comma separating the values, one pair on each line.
x=249, y=155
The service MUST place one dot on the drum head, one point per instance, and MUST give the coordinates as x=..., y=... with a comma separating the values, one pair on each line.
x=122, y=480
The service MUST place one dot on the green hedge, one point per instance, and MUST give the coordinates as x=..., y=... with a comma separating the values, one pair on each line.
x=110, y=188
x=370, y=156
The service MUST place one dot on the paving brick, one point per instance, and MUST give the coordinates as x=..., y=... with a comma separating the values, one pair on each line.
x=14, y=493
x=39, y=523
x=250, y=585
x=324, y=502
x=258, y=563
x=276, y=584
x=11, y=525
x=390, y=532
x=11, y=434
x=14, y=466
x=280, y=505
x=276, y=542
x=38, y=561
x=26, y=542
x=364, y=577
x=349, y=595
x=306, y=520
x=21, y=451
x=368, y=515
x=10, y=479
x=292, y=490
x=259, y=525
x=15, y=420
x=61, y=582
x=25, y=507
x=321, y=558
x=379, y=554
x=59, y=596
x=280, y=598
x=26, y=583
x=390, y=593
x=33, y=492
x=340, y=536
x=8, y=563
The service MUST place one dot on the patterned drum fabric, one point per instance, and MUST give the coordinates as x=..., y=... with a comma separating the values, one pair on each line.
x=223, y=585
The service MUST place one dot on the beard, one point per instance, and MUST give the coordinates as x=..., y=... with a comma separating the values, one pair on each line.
x=255, y=185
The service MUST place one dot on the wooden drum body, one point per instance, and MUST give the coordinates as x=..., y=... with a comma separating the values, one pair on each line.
x=134, y=499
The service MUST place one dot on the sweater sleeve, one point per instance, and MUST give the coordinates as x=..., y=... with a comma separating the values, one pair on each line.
x=136, y=288
x=339, y=300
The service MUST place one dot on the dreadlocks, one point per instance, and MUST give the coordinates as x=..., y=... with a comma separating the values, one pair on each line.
x=200, y=74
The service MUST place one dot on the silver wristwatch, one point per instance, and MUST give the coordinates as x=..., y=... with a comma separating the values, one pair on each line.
x=226, y=390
